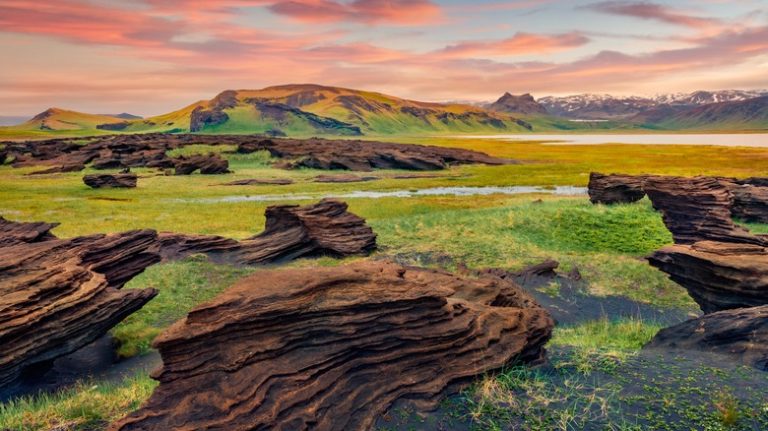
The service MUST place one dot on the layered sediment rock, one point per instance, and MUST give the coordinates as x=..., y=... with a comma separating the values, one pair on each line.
x=260, y=181
x=741, y=334
x=12, y=233
x=123, y=180
x=150, y=150
x=57, y=296
x=718, y=275
x=615, y=188
x=291, y=231
x=211, y=164
x=697, y=209
x=332, y=348
x=750, y=203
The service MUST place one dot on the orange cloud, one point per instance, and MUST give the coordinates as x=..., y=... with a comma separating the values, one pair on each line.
x=369, y=11
x=520, y=43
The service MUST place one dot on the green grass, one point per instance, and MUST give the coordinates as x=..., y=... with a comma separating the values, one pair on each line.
x=88, y=405
x=606, y=244
x=181, y=285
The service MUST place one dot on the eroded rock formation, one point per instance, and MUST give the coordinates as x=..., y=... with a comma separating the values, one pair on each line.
x=150, y=150
x=260, y=181
x=290, y=232
x=122, y=180
x=211, y=164
x=750, y=203
x=332, y=348
x=697, y=209
x=615, y=188
x=12, y=233
x=343, y=178
x=741, y=334
x=58, y=295
x=718, y=275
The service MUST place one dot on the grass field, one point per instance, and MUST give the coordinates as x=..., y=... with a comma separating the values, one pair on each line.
x=606, y=244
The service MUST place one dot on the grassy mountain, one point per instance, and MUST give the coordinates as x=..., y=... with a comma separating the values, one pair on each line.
x=55, y=121
x=750, y=114
x=315, y=109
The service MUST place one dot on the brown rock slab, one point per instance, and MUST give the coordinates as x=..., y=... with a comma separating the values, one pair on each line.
x=750, y=203
x=12, y=233
x=697, y=209
x=260, y=181
x=99, y=181
x=741, y=334
x=615, y=188
x=69, y=167
x=290, y=232
x=331, y=349
x=150, y=150
x=211, y=164
x=58, y=295
x=718, y=275
x=343, y=178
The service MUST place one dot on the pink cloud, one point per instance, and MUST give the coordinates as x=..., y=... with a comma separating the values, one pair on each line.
x=654, y=11
x=368, y=11
x=520, y=43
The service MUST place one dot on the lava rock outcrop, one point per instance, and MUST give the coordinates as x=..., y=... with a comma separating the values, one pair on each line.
x=58, y=295
x=290, y=232
x=12, y=233
x=718, y=275
x=332, y=348
x=99, y=181
x=615, y=188
x=211, y=164
x=697, y=209
x=741, y=334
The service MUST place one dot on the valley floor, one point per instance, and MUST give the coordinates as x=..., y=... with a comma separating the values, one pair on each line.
x=596, y=377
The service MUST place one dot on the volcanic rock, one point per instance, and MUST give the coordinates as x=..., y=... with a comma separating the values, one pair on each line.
x=697, y=209
x=211, y=164
x=754, y=181
x=3, y=156
x=331, y=349
x=150, y=150
x=615, y=188
x=98, y=181
x=291, y=231
x=750, y=203
x=260, y=181
x=12, y=233
x=69, y=167
x=343, y=178
x=57, y=295
x=741, y=333
x=718, y=275
x=523, y=104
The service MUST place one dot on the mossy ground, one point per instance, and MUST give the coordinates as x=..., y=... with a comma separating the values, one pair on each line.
x=606, y=244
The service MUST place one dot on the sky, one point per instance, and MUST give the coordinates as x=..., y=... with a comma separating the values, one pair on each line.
x=149, y=57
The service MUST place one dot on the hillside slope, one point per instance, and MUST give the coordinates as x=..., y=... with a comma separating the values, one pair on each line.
x=751, y=114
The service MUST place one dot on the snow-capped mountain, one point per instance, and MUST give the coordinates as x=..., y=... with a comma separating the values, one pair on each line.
x=605, y=106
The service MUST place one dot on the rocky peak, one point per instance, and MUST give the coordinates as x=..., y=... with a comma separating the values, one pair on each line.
x=523, y=104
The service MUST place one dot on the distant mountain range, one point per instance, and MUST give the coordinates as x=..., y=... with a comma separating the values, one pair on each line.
x=308, y=109
x=607, y=107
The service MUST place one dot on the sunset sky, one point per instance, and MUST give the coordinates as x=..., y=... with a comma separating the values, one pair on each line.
x=153, y=56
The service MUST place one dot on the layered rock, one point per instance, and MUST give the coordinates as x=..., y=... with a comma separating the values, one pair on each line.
x=750, y=203
x=342, y=178
x=718, y=275
x=332, y=348
x=260, y=181
x=291, y=231
x=57, y=295
x=741, y=334
x=150, y=150
x=12, y=233
x=615, y=188
x=211, y=164
x=697, y=209
x=122, y=180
